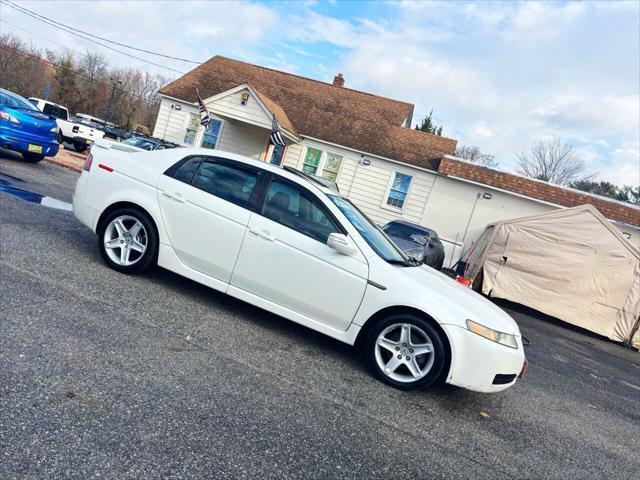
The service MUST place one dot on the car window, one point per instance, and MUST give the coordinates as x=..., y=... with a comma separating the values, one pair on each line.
x=140, y=143
x=11, y=100
x=187, y=170
x=408, y=233
x=292, y=207
x=230, y=183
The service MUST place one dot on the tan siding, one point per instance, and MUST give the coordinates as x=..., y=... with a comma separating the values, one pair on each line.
x=171, y=123
x=231, y=106
x=292, y=155
x=243, y=139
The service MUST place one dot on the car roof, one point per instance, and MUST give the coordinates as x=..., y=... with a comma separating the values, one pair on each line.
x=411, y=224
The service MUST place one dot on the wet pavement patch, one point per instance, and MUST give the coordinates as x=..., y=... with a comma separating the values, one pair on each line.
x=6, y=186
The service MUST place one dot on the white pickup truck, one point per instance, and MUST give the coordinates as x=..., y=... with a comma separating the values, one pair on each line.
x=81, y=136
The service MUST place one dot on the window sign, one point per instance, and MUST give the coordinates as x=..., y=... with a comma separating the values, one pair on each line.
x=210, y=137
x=192, y=128
x=311, y=161
x=332, y=166
x=399, y=190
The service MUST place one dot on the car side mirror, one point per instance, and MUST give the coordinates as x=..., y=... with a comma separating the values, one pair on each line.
x=341, y=244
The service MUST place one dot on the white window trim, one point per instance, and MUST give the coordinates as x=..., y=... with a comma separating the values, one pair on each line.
x=323, y=159
x=200, y=134
x=392, y=177
x=187, y=117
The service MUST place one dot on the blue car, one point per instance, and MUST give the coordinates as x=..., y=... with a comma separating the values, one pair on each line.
x=25, y=129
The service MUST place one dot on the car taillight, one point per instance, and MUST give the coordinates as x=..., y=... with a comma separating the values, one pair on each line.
x=88, y=162
x=9, y=117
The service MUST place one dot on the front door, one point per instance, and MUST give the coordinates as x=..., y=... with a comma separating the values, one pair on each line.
x=285, y=259
x=205, y=207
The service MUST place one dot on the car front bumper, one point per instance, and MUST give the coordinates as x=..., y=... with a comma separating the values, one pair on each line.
x=482, y=365
x=21, y=144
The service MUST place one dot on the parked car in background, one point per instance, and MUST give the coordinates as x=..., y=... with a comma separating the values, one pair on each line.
x=417, y=242
x=137, y=144
x=110, y=129
x=284, y=242
x=80, y=136
x=24, y=129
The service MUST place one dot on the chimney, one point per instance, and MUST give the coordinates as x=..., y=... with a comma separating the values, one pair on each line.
x=338, y=80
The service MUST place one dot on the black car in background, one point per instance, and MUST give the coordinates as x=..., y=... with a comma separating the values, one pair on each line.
x=417, y=241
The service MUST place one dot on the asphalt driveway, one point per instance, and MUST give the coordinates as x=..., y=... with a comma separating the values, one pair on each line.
x=155, y=376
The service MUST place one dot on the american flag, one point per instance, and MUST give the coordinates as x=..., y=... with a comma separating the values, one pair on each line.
x=276, y=137
x=204, y=113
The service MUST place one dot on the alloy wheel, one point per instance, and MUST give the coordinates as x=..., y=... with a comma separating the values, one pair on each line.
x=404, y=352
x=125, y=240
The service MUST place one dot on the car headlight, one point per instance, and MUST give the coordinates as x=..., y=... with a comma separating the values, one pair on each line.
x=505, y=339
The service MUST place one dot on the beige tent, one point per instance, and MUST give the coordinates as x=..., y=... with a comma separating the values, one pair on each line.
x=572, y=264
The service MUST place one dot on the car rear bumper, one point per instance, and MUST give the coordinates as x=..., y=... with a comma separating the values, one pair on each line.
x=482, y=365
x=21, y=144
x=84, y=212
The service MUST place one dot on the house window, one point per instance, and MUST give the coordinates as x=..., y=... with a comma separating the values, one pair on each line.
x=399, y=190
x=311, y=161
x=192, y=128
x=332, y=166
x=211, y=134
x=277, y=152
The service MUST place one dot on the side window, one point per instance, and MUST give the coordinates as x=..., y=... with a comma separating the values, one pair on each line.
x=187, y=170
x=48, y=109
x=399, y=190
x=63, y=113
x=230, y=183
x=289, y=206
x=32, y=102
x=311, y=160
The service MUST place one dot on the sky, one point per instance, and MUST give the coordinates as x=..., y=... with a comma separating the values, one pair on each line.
x=500, y=76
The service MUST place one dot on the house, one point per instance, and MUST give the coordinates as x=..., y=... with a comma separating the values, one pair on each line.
x=362, y=141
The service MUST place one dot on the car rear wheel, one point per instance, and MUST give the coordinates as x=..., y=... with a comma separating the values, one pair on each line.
x=33, y=157
x=405, y=351
x=128, y=240
x=60, y=138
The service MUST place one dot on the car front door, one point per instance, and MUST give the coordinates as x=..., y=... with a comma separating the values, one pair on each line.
x=205, y=204
x=285, y=258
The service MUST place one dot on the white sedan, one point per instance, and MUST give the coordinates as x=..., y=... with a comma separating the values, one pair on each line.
x=283, y=241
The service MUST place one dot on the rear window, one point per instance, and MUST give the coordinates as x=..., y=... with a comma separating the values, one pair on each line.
x=55, y=111
x=408, y=233
x=14, y=101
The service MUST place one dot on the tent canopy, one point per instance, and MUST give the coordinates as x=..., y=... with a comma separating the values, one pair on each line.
x=572, y=264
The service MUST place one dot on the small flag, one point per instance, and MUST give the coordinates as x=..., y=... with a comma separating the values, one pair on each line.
x=276, y=137
x=204, y=113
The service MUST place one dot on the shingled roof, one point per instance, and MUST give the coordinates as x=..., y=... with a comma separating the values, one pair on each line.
x=358, y=120
x=548, y=192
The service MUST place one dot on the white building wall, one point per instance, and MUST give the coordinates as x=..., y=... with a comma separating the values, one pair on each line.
x=243, y=139
x=171, y=123
x=368, y=185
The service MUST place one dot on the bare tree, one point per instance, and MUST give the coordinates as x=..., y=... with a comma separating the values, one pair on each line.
x=554, y=160
x=473, y=154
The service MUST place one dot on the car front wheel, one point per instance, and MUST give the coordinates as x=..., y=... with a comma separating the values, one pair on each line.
x=405, y=351
x=128, y=240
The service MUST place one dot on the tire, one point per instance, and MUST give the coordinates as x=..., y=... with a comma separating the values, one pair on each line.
x=399, y=355
x=60, y=138
x=32, y=157
x=79, y=146
x=116, y=236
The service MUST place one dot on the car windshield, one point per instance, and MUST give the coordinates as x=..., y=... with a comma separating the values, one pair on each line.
x=9, y=99
x=140, y=143
x=408, y=233
x=371, y=233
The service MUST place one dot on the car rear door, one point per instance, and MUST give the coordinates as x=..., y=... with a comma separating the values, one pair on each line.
x=205, y=204
x=285, y=258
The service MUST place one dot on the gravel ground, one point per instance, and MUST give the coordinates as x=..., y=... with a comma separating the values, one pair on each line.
x=155, y=376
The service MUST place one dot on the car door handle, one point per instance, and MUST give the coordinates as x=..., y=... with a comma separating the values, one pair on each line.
x=265, y=235
x=175, y=196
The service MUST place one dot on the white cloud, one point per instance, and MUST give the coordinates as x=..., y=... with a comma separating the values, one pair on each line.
x=535, y=22
x=625, y=167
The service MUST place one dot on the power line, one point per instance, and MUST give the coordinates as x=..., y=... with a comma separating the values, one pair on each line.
x=52, y=24
x=42, y=38
x=98, y=37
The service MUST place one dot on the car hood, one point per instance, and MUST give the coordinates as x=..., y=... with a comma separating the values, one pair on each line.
x=463, y=300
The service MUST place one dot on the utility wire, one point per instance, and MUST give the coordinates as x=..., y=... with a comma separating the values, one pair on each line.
x=10, y=3
x=43, y=38
x=53, y=24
